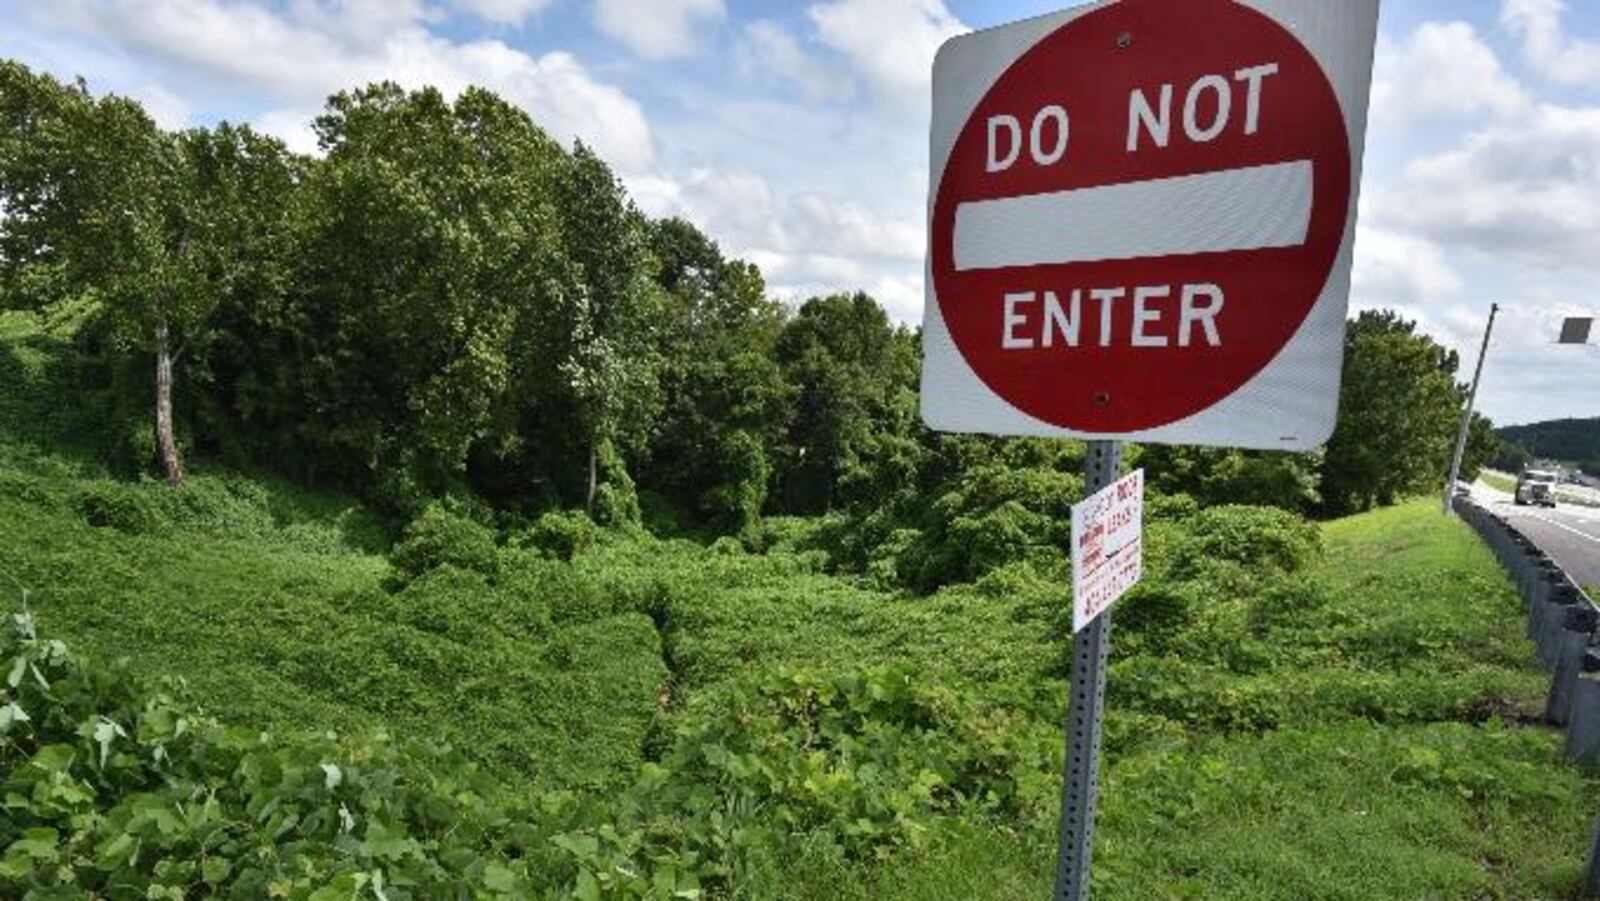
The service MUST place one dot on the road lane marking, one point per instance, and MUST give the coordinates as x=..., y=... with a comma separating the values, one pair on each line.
x=1561, y=525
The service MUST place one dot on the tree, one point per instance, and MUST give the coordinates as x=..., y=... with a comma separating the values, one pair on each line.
x=162, y=228
x=1483, y=446
x=431, y=237
x=854, y=434
x=608, y=364
x=1510, y=457
x=1399, y=408
x=724, y=401
x=1214, y=475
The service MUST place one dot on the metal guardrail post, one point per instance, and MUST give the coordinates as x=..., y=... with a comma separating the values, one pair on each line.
x=1564, y=625
x=1583, y=722
x=1560, y=596
x=1576, y=634
x=1591, y=879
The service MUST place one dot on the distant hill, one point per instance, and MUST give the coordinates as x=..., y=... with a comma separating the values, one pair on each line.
x=1561, y=439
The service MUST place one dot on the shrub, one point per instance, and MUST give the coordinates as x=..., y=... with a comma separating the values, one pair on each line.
x=734, y=505
x=991, y=517
x=1263, y=540
x=439, y=537
x=111, y=505
x=783, y=533
x=616, y=500
x=1295, y=603
x=27, y=488
x=567, y=594
x=460, y=605
x=120, y=788
x=562, y=534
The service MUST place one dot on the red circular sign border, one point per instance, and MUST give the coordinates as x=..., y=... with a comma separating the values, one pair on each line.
x=1104, y=391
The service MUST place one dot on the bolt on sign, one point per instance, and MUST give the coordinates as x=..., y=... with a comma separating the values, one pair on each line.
x=1141, y=220
x=1107, y=547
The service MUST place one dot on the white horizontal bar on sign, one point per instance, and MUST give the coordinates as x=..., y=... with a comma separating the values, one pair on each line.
x=1215, y=212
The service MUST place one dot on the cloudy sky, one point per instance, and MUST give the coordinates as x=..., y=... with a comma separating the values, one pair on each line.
x=794, y=131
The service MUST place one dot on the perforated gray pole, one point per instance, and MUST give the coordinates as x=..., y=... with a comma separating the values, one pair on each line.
x=1081, y=780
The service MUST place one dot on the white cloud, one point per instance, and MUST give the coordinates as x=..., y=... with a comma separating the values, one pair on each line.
x=890, y=42
x=561, y=96
x=1399, y=270
x=314, y=49
x=1526, y=189
x=1413, y=276
x=504, y=12
x=292, y=127
x=806, y=243
x=1527, y=377
x=901, y=296
x=1554, y=54
x=657, y=29
x=766, y=47
x=818, y=221
x=167, y=109
x=1442, y=69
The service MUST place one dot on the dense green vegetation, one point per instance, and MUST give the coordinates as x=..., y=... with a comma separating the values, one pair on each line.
x=1295, y=712
x=1573, y=440
x=502, y=540
x=446, y=303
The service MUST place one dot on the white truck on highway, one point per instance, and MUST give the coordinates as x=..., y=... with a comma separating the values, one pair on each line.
x=1536, y=486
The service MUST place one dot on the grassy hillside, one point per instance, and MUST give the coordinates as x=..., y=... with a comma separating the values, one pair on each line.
x=1295, y=711
x=1499, y=480
x=1354, y=727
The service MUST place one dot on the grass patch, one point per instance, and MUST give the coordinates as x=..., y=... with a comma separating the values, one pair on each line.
x=1498, y=480
x=1330, y=713
x=277, y=616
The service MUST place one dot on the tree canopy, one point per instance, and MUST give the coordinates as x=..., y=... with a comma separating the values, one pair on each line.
x=448, y=303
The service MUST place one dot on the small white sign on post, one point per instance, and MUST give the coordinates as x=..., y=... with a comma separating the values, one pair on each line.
x=1107, y=547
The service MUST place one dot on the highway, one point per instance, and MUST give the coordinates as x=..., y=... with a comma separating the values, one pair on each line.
x=1570, y=534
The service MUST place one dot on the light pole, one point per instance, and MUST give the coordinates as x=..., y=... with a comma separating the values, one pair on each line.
x=1466, y=415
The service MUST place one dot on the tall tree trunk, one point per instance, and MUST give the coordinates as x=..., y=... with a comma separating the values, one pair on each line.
x=594, y=474
x=166, y=442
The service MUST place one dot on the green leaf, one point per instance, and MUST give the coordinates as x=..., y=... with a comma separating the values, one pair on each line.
x=54, y=758
x=384, y=843
x=38, y=844
x=214, y=870
x=18, y=668
x=11, y=713
x=583, y=847
x=587, y=888
x=105, y=731
x=499, y=878
x=342, y=888
x=116, y=852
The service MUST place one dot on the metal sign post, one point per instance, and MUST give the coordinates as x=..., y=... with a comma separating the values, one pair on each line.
x=1089, y=650
x=1140, y=222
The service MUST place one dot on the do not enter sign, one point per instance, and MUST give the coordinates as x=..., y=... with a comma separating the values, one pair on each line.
x=1141, y=221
